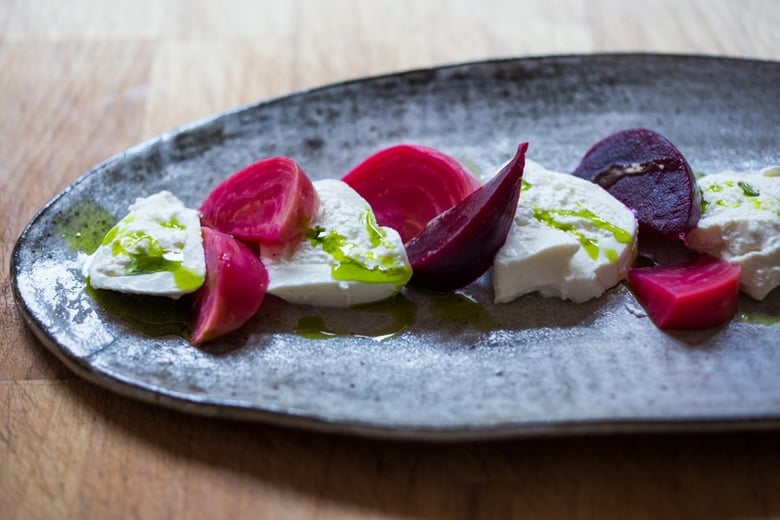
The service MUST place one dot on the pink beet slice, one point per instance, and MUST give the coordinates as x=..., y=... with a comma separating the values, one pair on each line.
x=698, y=294
x=268, y=202
x=235, y=286
x=407, y=185
x=457, y=246
x=646, y=172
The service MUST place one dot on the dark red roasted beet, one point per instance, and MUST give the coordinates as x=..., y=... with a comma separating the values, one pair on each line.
x=407, y=185
x=646, y=172
x=235, y=286
x=700, y=293
x=457, y=246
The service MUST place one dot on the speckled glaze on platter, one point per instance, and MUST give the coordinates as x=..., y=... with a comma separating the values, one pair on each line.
x=532, y=367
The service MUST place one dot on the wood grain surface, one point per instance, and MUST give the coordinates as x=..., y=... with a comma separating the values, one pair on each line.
x=84, y=79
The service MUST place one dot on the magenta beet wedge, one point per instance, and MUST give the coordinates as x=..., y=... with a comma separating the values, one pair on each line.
x=459, y=245
x=235, y=286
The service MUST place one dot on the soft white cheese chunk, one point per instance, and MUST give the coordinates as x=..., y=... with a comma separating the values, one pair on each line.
x=740, y=223
x=570, y=239
x=157, y=249
x=346, y=258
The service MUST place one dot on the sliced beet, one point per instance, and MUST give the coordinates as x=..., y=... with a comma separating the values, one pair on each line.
x=408, y=185
x=236, y=281
x=647, y=173
x=458, y=246
x=697, y=294
x=269, y=202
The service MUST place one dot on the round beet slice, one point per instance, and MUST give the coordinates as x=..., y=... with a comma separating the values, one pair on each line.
x=236, y=281
x=268, y=202
x=646, y=172
x=407, y=185
x=459, y=245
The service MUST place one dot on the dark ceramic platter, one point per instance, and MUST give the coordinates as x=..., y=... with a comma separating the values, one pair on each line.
x=460, y=369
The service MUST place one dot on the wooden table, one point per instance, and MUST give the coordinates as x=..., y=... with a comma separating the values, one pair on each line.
x=82, y=80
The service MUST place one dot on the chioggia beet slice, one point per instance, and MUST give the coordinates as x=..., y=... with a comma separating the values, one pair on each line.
x=236, y=281
x=697, y=294
x=647, y=173
x=458, y=246
x=407, y=185
x=269, y=202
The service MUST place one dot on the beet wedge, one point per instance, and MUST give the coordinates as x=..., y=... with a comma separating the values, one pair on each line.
x=269, y=202
x=699, y=293
x=408, y=185
x=646, y=172
x=458, y=246
x=236, y=281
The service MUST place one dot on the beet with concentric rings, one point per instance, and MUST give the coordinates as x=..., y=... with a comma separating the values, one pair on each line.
x=408, y=185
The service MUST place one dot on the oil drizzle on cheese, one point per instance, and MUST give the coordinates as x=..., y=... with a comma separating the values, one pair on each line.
x=748, y=193
x=552, y=218
x=385, y=268
x=145, y=254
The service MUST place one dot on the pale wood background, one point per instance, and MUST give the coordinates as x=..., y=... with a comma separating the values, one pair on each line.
x=81, y=80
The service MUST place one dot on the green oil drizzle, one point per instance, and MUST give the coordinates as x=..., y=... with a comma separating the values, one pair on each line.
x=352, y=268
x=147, y=256
x=750, y=193
x=725, y=204
x=758, y=319
x=153, y=316
x=399, y=309
x=748, y=190
x=173, y=224
x=83, y=226
x=591, y=246
x=461, y=309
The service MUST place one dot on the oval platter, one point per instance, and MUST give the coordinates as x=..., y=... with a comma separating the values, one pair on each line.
x=427, y=366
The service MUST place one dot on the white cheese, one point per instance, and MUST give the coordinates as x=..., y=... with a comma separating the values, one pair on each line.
x=740, y=223
x=570, y=239
x=345, y=259
x=157, y=249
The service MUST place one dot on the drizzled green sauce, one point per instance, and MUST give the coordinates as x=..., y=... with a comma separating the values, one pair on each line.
x=550, y=217
x=86, y=226
x=83, y=226
x=463, y=310
x=749, y=193
x=146, y=256
x=748, y=190
x=386, y=268
x=397, y=314
x=399, y=311
x=153, y=316
x=759, y=319
x=173, y=224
